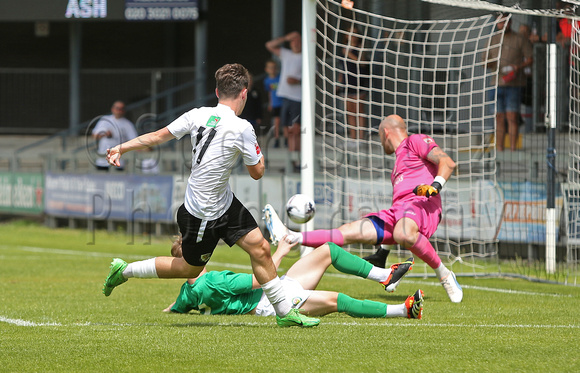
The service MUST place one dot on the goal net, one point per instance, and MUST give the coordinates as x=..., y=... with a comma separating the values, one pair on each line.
x=571, y=189
x=434, y=74
x=431, y=73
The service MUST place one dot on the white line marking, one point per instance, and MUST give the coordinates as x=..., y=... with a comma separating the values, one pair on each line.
x=249, y=268
x=82, y=253
x=386, y=323
x=443, y=325
x=19, y=322
x=495, y=290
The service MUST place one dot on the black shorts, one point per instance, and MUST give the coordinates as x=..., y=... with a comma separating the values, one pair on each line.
x=200, y=237
x=275, y=111
x=290, y=112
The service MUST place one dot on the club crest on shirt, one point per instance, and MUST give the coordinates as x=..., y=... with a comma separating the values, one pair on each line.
x=212, y=121
x=258, y=151
x=205, y=257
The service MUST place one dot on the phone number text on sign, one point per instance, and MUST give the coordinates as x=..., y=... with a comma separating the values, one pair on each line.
x=161, y=14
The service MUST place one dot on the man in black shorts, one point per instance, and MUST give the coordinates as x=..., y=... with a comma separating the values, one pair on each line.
x=211, y=211
x=290, y=89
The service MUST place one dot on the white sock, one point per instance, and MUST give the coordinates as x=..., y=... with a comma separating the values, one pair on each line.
x=379, y=274
x=397, y=310
x=141, y=269
x=442, y=271
x=298, y=235
x=277, y=296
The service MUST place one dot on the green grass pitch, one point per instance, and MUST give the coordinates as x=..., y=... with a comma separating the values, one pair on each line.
x=53, y=318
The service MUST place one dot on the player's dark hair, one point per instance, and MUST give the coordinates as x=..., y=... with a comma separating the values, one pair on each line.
x=231, y=79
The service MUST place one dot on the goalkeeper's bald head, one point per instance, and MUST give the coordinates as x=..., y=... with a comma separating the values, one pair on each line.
x=392, y=131
x=394, y=123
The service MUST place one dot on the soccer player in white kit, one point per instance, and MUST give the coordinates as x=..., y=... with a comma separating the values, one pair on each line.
x=211, y=211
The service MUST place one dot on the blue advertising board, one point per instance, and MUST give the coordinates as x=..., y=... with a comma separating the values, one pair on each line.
x=120, y=197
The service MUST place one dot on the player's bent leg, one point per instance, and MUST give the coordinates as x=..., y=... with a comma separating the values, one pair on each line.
x=360, y=231
x=258, y=248
x=361, y=308
x=406, y=232
x=170, y=267
x=309, y=269
x=264, y=270
x=320, y=303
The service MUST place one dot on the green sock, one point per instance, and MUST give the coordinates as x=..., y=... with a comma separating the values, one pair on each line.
x=347, y=263
x=360, y=308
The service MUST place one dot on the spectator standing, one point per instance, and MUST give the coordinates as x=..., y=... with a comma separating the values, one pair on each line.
x=274, y=101
x=290, y=89
x=112, y=130
x=356, y=80
x=516, y=55
x=527, y=91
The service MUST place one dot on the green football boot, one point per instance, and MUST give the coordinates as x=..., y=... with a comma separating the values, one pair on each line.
x=295, y=318
x=115, y=277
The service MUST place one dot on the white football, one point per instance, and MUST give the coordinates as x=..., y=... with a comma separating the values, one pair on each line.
x=300, y=208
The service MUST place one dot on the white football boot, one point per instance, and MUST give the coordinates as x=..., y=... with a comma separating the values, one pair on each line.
x=452, y=287
x=275, y=226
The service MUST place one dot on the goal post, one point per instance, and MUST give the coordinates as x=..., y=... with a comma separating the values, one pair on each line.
x=308, y=104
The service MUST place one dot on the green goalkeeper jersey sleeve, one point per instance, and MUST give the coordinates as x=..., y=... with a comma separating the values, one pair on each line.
x=218, y=293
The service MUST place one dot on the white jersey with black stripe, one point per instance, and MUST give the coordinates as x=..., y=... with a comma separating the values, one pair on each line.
x=218, y=137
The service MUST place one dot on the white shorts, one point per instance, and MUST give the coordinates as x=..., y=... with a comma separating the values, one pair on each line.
x=294, y=291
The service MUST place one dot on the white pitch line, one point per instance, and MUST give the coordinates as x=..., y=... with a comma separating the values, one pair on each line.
x=19, y=322
x=82, y=253
x=443, y=325
x=386, y=323
x=495, y=290
x=249, y=268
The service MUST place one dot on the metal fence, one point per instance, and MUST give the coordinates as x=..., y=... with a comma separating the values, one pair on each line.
x=36, y=101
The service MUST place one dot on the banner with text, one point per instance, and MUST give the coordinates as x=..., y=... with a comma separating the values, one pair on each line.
x=125, y=197
x=21, y=193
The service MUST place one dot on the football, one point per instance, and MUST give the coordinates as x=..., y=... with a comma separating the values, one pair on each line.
x=300, y=208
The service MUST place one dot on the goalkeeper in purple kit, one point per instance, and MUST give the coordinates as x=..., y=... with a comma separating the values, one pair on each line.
x=420, y=172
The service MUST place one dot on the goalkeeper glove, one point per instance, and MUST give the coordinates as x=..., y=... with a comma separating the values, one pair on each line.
x=430, y=190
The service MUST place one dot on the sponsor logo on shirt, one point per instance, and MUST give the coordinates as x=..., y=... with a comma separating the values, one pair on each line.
x=212, y=121
x=258, y=151
x=428, y=140
x=398, y=180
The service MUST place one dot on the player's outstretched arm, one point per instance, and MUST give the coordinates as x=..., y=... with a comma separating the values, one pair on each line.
x=445, y=165
x=147, y=140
